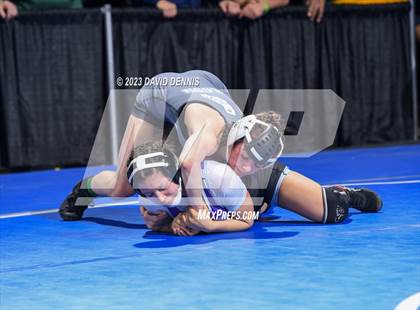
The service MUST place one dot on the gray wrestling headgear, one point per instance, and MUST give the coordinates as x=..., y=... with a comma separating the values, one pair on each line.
x=263, y=149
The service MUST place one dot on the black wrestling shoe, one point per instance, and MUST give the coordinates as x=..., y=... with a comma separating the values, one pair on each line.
x=364, y=199
x=69, y=211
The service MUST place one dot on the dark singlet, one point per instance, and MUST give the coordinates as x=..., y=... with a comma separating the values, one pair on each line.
x=163, y=101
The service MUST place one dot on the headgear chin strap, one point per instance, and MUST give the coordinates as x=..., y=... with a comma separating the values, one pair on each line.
x=263, y=149
x=167, y=160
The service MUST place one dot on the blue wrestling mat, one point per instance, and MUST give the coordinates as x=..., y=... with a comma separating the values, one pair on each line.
x=110, y=260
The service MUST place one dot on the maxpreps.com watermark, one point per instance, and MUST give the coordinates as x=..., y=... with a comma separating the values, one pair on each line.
x=222, y=215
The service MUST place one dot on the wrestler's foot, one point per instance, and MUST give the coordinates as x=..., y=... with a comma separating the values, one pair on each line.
x=69, y=211
x=364, y=199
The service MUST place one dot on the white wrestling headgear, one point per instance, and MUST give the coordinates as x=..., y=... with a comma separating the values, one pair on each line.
x=142, y=162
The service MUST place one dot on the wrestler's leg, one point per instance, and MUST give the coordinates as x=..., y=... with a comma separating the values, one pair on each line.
x=327, y=205
x=302, y=195
x=115, y=183
x=109, y=183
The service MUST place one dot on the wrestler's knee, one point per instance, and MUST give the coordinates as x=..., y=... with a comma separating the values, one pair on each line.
x=122, y=189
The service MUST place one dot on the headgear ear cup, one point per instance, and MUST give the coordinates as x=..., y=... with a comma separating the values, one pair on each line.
x=265, y=148
x=173, y=168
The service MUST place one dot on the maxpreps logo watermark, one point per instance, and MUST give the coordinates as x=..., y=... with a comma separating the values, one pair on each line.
x=310, y=118
x=222, y=215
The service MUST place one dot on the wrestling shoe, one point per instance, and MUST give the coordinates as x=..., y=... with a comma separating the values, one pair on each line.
x=363, y=199
x=69, y=211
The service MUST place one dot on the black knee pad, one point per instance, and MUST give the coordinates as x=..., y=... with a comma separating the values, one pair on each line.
x=336, y=204
x=263, y=184
x=271, y=192
x=276, y=174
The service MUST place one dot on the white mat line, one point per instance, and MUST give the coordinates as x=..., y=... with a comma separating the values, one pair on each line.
x=50, y=211
x=112, y=204
x=376, y=183
x=412, y=176
x=27, y=213
x=135, y=202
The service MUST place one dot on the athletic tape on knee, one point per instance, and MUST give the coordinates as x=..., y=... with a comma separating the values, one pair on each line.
x=336, y=205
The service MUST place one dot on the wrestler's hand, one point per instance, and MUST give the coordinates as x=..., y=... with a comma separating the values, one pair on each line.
x=168, y=8
x=154, y=221
x=180, y=228
x=193, y=221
